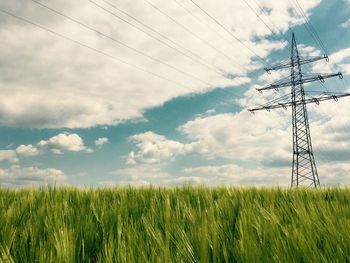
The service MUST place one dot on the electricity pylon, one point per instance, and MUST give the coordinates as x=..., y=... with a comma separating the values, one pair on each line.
x=304, y=171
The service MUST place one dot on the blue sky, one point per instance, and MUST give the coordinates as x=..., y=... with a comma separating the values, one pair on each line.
x=70, y=115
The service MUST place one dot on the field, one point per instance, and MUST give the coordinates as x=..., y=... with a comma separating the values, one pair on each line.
x=182, y=224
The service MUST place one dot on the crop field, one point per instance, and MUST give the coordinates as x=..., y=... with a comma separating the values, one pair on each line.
x=184, y=224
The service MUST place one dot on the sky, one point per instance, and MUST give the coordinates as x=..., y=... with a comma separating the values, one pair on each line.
x=112, y=92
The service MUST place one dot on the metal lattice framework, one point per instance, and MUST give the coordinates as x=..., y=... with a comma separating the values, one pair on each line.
x=304, y=171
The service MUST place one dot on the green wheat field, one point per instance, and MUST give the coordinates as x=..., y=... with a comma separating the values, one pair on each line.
x=184, y=224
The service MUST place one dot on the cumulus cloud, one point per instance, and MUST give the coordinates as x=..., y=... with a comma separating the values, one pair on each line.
x=17, y=176
x=27, y=150
x=232, y=136
x=76, y=73
x=8, y=155
x=101, y=141
x=241, y=136
x=153, y=148
x=64, y=142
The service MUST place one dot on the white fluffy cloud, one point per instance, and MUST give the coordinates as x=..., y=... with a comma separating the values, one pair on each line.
x=49, y=82
x=17, y=176
x=338, y=61
x=153, y=148
x=64, y=142
x=241, y=136
x=101, y=141
x=27, y=150
x=232, y=136
x=8, y=155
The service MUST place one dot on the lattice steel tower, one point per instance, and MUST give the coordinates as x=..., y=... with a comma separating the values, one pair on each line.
x=304, y=171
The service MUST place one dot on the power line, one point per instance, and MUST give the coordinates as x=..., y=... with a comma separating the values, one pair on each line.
x=210, y=67
x=228, y=31
x=98, y=51
x=186, y=29
x=157, y=32
x=262, y=10
x=216, y=70
x=267, y=26
x=312, y=28
x=308, y=26
x=149, y=28
x=91, y=48
x=222, y=26
x=201, y=22
x=262, y=20
x=104, y=53
x=158, y=9
x=122, y=43
x=216, y=32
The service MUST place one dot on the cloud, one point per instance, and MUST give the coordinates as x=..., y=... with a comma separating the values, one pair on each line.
x=258, y=147
x=145, y=170
x=27, y=150
x=231, y=136
x=146, y=174
x=17, y=176
x=308, y=50
x=140, y=175
x=153, y=148
x=241, y=136
x=8, y=155
x=187, y=180
x=331, y=174
x=78, y=89
x=346, y=24
x=338, y=61
x=64, y=142
x=101, y=141
x=231, y=174
x=262, y=140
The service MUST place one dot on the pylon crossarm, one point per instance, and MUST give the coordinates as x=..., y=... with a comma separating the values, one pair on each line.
x=303, y=60
x=314, y=93
x=309, y=78
x=315, y=100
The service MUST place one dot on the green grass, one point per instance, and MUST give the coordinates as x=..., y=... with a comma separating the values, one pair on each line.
x=174, y=225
